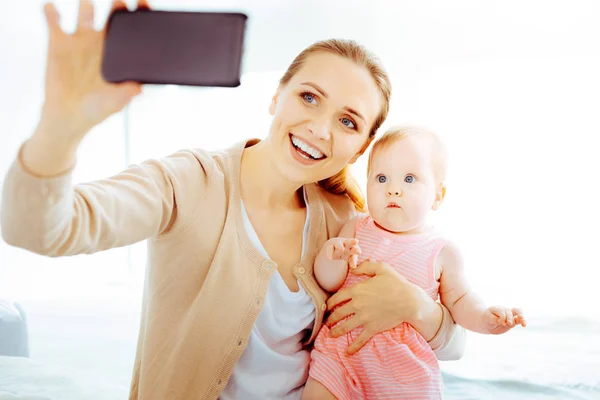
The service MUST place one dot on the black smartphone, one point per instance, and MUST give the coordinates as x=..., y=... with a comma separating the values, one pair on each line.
x=172, y=47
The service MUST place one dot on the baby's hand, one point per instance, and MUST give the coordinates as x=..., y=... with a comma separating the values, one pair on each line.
x=343, y=249
x=503, y=319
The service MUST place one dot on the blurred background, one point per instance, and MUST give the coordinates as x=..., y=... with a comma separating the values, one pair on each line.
x=512, y=87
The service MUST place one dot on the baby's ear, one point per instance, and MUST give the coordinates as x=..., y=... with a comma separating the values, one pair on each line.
x=439, y=196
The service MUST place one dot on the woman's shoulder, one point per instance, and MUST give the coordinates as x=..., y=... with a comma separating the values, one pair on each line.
x=198, y=180
x=201, y=164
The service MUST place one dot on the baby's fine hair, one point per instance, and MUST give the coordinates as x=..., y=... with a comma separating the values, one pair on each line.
x=397, y=133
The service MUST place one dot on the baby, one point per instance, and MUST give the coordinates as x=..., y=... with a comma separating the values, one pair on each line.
x=406, y=172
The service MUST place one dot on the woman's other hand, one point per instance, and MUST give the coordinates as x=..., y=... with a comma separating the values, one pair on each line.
x=378, y=304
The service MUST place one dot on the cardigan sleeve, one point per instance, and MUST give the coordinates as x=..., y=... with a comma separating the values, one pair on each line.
x=53, y=217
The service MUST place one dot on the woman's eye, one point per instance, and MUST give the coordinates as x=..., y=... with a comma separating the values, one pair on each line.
x=409, y=179
x=348, y=122
x=309, y=98
x=381, y=179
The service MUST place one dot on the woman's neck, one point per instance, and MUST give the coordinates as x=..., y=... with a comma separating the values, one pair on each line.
x=262, y=183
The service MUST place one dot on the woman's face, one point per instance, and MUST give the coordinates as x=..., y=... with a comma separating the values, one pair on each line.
x=322, y=118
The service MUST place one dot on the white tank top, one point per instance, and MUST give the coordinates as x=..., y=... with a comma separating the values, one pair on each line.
x=274, y=364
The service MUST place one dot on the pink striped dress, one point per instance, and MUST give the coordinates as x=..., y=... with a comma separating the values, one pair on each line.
x=395, y=364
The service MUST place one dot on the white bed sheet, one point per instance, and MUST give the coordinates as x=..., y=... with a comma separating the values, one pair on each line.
x=556, y=360
x=26, y=379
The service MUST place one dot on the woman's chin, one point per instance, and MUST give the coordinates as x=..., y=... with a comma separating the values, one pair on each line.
x=295, y=175
x=302, y=174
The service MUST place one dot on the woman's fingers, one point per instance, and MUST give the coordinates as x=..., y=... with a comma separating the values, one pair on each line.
x=339, y=297
x=143, y=5
x=85, y=16
x=346, y=327
x=339, y=314
x=118, y=5
x=360, y=341
x=52, y=19
x=372, y=268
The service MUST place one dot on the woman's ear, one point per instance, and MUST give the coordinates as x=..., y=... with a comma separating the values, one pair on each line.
x=273, y=105
x=439, y=196
x=353, y=159
x=362, y=151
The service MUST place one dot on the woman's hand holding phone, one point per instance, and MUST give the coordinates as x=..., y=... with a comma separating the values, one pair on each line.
x=77, y=98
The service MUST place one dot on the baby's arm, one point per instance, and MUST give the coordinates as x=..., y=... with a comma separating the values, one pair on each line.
x=331, y=264
x=468, y=309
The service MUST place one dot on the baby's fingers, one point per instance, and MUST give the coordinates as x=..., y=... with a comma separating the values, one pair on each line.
x=354, y=250
x=353, y=261
x=348, y=243
x=338, y=250
x=519, y=317
x=500, y=313
x=491, y=318
x=509, y=318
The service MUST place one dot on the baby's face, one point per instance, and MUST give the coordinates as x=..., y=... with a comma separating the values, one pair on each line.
x=401, y=187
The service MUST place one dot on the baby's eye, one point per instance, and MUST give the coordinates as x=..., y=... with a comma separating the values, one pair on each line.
x=381, y=178
x=409, y=179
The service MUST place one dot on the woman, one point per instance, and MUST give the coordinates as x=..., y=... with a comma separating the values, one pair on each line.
x=230, y=302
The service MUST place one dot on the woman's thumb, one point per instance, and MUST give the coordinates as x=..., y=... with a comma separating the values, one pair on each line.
x=369, y=267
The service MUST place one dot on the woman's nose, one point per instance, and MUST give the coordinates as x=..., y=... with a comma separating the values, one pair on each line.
x=321, y=129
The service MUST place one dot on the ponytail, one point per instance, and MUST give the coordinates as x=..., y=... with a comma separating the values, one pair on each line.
x=344, y=183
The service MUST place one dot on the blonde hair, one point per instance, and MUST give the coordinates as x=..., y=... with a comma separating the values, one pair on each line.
x=343, y=182
x=397, y=133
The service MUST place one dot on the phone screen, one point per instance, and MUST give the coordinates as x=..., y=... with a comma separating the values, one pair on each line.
x=180, y=48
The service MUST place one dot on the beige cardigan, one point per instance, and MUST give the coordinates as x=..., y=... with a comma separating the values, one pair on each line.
x=205, y=283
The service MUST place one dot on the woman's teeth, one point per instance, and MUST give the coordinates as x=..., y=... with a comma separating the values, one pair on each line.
x=306, y=148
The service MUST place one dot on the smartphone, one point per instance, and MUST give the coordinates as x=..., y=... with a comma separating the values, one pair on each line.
x=174, y=48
